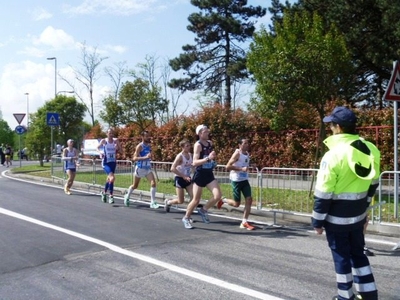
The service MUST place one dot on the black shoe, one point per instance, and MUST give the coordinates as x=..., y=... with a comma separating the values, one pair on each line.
x=368, y=252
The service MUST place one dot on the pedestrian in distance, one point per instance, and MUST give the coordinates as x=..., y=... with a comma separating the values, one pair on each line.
x=182, y=168
x=346, y=182
x=7, y=153
x=204, y=162
x=70, y=159
x=142, y=157
x=238, y=165
x=59, y=149
x=2, y=155
x=108, y=149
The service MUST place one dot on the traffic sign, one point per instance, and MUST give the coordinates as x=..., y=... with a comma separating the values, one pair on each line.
x=53, y=119
x=20, y=129
x=19, y=117
x=393, y=90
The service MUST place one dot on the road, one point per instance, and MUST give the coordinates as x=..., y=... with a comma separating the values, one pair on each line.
x=56, y=246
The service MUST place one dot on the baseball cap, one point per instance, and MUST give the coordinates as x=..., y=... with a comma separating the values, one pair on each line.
x=341, y=115
x=200, y=127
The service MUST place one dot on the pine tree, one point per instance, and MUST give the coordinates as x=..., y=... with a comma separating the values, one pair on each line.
x=217, y=59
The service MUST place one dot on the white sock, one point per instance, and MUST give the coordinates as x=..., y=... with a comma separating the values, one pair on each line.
x=244, y=220
x=153, y=194
x=130, y=191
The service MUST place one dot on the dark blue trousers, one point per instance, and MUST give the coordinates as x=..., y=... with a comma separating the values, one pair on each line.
x=351, y=265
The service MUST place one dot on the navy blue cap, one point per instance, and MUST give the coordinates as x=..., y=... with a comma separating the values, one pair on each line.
x=341, y=115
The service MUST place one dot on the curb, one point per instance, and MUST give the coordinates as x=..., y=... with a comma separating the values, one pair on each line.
x=279, y=218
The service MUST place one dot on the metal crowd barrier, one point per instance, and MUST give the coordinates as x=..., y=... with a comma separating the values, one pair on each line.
x=278, y=190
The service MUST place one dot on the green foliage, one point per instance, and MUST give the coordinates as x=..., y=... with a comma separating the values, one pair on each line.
x=111, y=112
x=71, y=115
x=300, y=62
x=6, y=134
x=140, y=103
x=217, y=60
x=372, y=36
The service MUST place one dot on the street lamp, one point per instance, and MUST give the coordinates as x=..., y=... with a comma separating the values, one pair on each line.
x=55, y=74
x=27, y=109
x=68, y=92
x=55, y=96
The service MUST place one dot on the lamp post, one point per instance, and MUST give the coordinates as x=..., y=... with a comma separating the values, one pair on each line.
x=55, y=96
x=55, y=74
x=67, y=92
x=27, y=110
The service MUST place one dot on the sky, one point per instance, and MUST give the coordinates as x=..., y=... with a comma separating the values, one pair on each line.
x=122, y=30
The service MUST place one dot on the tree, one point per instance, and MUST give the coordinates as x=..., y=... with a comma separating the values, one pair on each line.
x=140, y=103
x=299, y=66
x=71, y=115
x=6, y=134
x=217, y=60
x=112, y=109
x=87, y=75
x=372, y=35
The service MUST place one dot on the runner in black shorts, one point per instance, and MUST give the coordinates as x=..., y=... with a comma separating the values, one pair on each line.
x=203, y=160
x=182, y=168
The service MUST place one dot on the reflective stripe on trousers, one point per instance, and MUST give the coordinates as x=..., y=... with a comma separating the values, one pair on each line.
x=351, y=264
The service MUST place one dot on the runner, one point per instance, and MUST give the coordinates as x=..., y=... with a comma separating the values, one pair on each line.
x=143, y=169
x=204, y=161
x=182, y=167
x=238, y=165
x=70, y=157
x=108, y=149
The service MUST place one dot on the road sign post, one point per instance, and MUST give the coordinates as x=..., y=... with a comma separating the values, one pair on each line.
x=19, y=130
x=393, y=93
x=19, y=118
x=53, y=119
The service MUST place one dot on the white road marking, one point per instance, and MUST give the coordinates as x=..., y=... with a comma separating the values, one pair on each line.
x=186, y=272
x=370, y=240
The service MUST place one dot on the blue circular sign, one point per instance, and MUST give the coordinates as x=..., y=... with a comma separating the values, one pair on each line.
x=20, y=129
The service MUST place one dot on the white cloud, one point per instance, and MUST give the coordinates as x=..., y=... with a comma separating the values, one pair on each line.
x=55, y=38
x=41, y=14
x=114, y=7
x=32, y=51
x=118, y=49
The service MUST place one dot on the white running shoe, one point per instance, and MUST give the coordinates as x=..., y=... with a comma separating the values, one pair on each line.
x=126, y=200
x=187, y=223
x=104, y=197
x=154, y=205
x=166, y=205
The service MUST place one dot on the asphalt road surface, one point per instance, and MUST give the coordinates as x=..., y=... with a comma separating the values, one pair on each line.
x=55, y=246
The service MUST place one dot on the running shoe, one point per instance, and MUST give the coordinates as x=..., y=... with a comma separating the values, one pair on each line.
x=186, y=223
x=247, y=226
x=167, y=206
x=368, y=252
x=111, y=199
x=154, y=205
x=204, y=215
x=104, y=197
x=126, y=200
x=219, y=204
x=358, y=297
x=68, y=192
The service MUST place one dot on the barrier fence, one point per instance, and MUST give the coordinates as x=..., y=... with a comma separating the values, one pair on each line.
x=284, y=190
